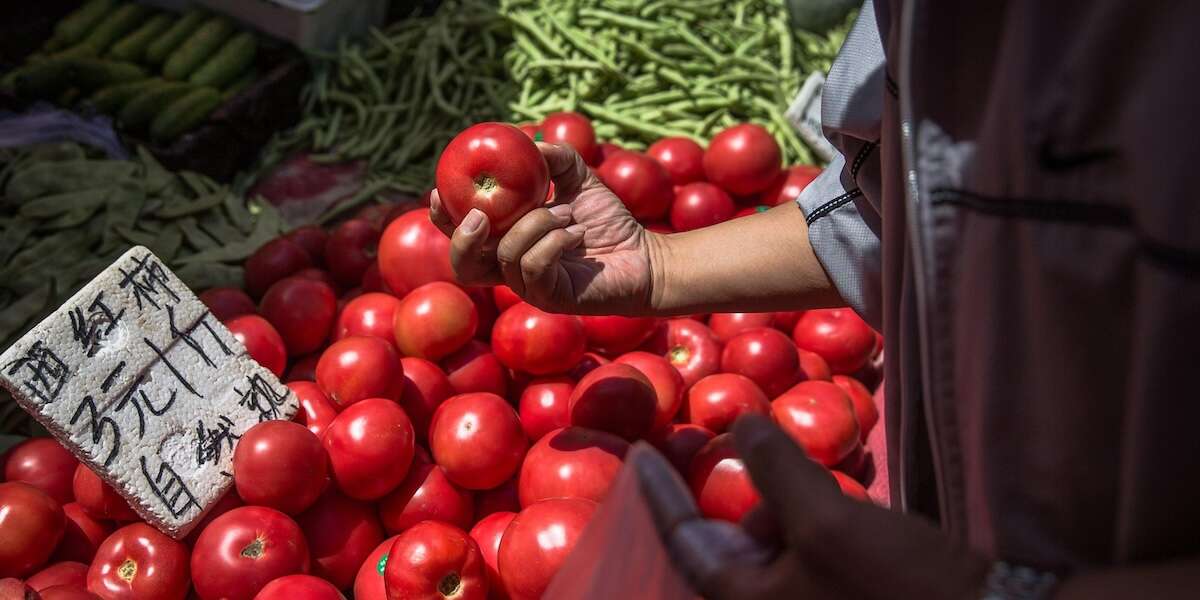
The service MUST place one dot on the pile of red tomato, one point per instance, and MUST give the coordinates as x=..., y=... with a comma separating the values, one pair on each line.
x=453, y=443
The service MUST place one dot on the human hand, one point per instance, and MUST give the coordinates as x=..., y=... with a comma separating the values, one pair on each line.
x=584, y=254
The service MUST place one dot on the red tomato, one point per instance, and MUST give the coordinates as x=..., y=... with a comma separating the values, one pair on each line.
x=640, y=182
x=574, y=130
x=82, y=534
x=487, y=533
x=67, y=592
x=425, y=388
x=820, y=417
x=426, y=494
x=838, y=334
x=814, y=367
x=614, y=335
x=434, y=320
x=413, y=252
x=728, y=325
x=865, y=411
x=357, y=368
x=529, y=129
x=31, y=524
x=681, y=157
x=371, y=314
x=245, y=549
x=372, y=280
x=340, y=533
x=316, y=411
x=720, y=482
x=60, y=573
x=743, y=159
x=261, y=340
x=474, y=368
x=543, y=406
x=660, y=228
x=98, y=499
x=477, y=439
x=303, y=369
x=312, y=238
x=616, y=398
x=495, y=168
x=690, y=347
x=606, y=150
x=666, y=380
x=700, y=204
x=505, y=297
x=302, y=311
x=368, y=584
x=139, y=561
x=788, y=185
x=786, y=321
x=485, y=307
x=275, y=260
x=226, y=303
x=537, y=342
x=370, y=446
x=679, y=443
x=350, y=250
x=502, y=498
x=435, y=561
x=226, y=503
x=280, y=465
x=716, y=401
x=571, y=463
x=850, y=487
x=299, y=587
x=587, y=364
x=536, y=543
x=43, y=463
x=766, y=356
x=315, y=274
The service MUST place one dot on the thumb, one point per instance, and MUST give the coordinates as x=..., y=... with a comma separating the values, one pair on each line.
x=567, y=170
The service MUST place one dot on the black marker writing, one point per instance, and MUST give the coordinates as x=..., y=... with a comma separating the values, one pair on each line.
x=149, y=281
x=141, y=402
x=209, y=441
x=97, y=425
x=46, y=372
x=92, y=328
x=261, y=398
x=169, y=488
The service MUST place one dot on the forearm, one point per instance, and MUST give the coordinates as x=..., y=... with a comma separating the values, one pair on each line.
x=1162, y=581
x=759, y=263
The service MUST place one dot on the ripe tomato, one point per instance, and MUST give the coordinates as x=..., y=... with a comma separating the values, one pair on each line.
x=350, y=250
x=303, y=369
x=425, y=388
x=681, y=157
x=312, y=238
x=505, y=297
x=82, y=534
x=587, y=364
x=716, y=401
x=299, y=587
x=543, y=406
x=820, y=417
x=60, y=573
x=814, y=367
x=368, y=584
x=502, y=498
x=43, y=463
x=426, y=494
x=372, y=280
x=98, y=499
x=690, y=347
x=495, y=168
x=720, y=482
x=785, y=321
x=606, y=150
x=614, y=335
x=435, y=561
x=485, y=307
x=487, y=533
x=261, y=340
x=537, y=342
x=700, y=204
x=316, y=411
x=67, y=592
x=766, y=356
x=616, y=398
x=434, y=320
x=314, y=274
x=726, y=326
x=574, y=130
x=474, y=368
x=280, y=465
x=477, y=439
x=529, y=129
x=838, y=334
x=666, y=380
x=370, y=446
x=413, y=252
x=226, y=503
x=243, y=550
x=302, y=311
x=357, y=368
x=788, y=185
x=340, y=533
x=640, y=182
x=865, y=411
x=275, y=260
x=850, y=487
x=226, y=303
x=31, y=524
x=679, y=443
x=536, y=543
x=571, y=463
x=139, y=561
x=743, y=159
x=371, y=314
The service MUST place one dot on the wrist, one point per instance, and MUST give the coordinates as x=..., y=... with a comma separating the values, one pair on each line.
x=658, y=258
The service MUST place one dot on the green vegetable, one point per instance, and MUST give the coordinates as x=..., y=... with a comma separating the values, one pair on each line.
x=112, y=99
x=72, y=28
x=246, y=80
x=118, y=23
x=197, y=48
x=133, y=46
x=162, y=47
x=229, y=62
x=153, y=102
x=41, y=79
x=93, y=73
x=185, y=113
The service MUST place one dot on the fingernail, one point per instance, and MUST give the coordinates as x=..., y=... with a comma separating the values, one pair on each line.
x=577, y=229
x=473, y=221
x=561, y=210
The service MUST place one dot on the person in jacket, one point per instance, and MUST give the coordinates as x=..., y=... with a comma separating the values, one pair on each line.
x=1014, y=207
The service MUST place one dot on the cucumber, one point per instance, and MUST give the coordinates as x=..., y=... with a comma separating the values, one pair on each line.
x=68, y=97
x=198, y=47
x=42, y=79
x=185, y=114
x=75, y=26
x=92, y=73
x=111, y=99
x=242, y=83
x=133, y=46
x=118, y=23
x=229, y=62
x=165, y=44
x=144, y=108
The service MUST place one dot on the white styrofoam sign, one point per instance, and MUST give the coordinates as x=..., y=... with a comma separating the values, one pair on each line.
x=146, y=387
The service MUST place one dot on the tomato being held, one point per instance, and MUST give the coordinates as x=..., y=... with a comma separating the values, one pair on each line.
x=340, y=532
x=690, y=347
x=426, y=494
x=370, y=446
x=98, y=498
x=299, y=587
x=275, y=260
x=788, y=185
x=640, y=182
x=537, y=342
x=700, y=204
x=243, y=550
x=368, y=584
x=726, y=326
x=477, y=439
x=371, y=314
x=302, y=311
x=435, y=561
x=43, y=463
x=766, y=356
x=414, y=252
x=716, y=401
x=281, y=465
x=425, y=388
x=843, y=339
x=743, y=159
x=434, y=320
x=574, y=130
x=616, y=398
x=571, y=463
x=537, y=542
x=474, y=368
x=31, y=524
x=350, y=251
x=495, y=168
x=139, y=561
x=681, y=157
x=614, y=335
x=358, y=368
x=543, y=406
x=487, y=533
x=820, y=417
x=720, y=482
x=226, y=303
x=82, y=534
x=261, y=340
